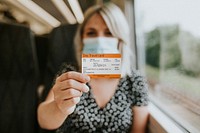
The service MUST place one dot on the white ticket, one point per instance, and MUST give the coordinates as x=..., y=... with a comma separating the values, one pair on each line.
x=102, y=65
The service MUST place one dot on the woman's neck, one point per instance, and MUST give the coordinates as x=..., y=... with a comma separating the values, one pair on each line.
x=103, y=90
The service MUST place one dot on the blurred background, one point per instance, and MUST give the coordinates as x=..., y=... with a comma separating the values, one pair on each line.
x=36, y=38
x=44, y=15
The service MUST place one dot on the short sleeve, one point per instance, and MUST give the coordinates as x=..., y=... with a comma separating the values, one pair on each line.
x=139, y=88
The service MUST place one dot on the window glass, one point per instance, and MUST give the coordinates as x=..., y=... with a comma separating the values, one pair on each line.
x=168, y=41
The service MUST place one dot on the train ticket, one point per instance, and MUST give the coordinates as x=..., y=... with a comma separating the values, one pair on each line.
x=102, y=65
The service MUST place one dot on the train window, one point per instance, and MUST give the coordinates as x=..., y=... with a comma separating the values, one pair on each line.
x=168, y=44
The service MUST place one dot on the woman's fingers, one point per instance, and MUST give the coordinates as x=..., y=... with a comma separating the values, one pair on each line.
x=68, y=94
x=67, y=84
x=68, y=89
x=71, y=102
x=73, y=84
x=68, y=106
x=73, y=75
x=72, y=80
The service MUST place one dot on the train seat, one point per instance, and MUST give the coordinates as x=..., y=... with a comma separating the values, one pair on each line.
x=18, y=80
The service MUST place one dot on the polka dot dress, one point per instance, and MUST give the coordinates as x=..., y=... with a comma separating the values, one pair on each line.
x=116, y=116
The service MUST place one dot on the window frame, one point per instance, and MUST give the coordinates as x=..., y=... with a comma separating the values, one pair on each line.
x=169, y=122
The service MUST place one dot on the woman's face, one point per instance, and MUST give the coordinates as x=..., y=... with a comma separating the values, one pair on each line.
x=96, y=27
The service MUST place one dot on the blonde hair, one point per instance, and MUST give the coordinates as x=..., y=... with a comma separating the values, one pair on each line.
x=118, y=26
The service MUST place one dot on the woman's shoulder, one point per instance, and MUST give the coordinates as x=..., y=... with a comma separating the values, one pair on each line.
x=138, y=88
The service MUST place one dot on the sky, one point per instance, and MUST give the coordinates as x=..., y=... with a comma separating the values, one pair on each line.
x=153, y=13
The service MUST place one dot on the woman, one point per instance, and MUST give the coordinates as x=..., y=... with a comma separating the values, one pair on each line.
x=77, y=103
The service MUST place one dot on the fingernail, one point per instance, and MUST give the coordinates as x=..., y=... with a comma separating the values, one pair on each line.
x=87, y=78
x=86, y=88
x=77, y=99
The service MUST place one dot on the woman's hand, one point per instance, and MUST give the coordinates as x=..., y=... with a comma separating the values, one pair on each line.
x=68, y=89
